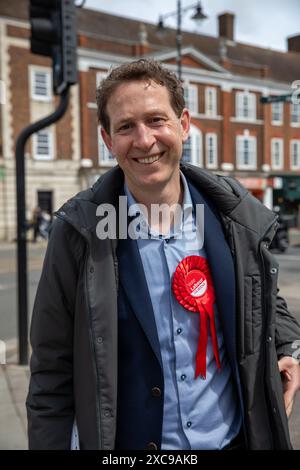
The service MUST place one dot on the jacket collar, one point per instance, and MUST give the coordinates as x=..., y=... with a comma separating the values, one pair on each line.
x=229, y=197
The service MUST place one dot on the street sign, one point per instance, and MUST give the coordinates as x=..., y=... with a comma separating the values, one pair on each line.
x=276, y=99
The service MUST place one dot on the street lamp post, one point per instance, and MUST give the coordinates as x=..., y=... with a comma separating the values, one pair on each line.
x=179, y=39
x=198, y=16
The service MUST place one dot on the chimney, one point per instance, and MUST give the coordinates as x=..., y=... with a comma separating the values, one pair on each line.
x=226, y=25
x=143, y=36
x=294, y=43
x=142, y=47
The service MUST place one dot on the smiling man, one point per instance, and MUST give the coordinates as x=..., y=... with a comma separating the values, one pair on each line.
x=143, y=343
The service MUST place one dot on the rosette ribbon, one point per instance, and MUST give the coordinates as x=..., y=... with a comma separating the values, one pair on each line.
x=193, y=288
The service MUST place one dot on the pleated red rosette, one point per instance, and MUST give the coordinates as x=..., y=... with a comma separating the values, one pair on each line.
x=193, y=288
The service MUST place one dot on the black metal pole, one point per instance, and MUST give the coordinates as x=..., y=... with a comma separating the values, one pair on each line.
x=21, y=222
x=178, y=39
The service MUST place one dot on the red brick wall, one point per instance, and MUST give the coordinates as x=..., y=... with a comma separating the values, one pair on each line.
x=267, y=132
x=20, y=59
x=17, y=32
x=191, y=62
x=64, y=148
x=89, y=134
x=104, y=45
x=20, y=92
x=226, y=145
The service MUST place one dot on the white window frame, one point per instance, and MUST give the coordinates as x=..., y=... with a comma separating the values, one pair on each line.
x=42, y=156
x=104, y=156
x=48, y=74
x=211, y=101
x=191, y=97
x=295, y=122
x=274, y=112
x=211, y=135
x=100, y=76
x=277, y=146
x=292, y=143
x=241, y=99
x=240, y=142
x=195, y=139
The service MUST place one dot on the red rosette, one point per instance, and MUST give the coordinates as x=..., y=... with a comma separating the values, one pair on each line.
x=193, y=288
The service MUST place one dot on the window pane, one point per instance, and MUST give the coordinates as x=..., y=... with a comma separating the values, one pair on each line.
x=187, y=151
x=246, y=152
x=295, y=113
x=43, y=144
x=211, y=150
x=277, y=112
x=41, y=83
x=295, y=154
x=245, y=105
x=191, y=97
x=210, y=101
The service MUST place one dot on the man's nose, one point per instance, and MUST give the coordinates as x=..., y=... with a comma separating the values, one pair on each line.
x=143, y=137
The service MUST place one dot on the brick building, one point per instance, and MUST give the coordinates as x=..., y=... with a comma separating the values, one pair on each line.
x=232, y=132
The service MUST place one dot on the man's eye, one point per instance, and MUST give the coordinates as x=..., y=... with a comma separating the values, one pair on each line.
x=125, y=127
x=157, y=120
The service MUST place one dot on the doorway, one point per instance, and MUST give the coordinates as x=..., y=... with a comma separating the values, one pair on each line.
x=45, y=201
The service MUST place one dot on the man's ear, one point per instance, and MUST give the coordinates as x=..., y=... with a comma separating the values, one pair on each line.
x=185, y=121
x=107, y=139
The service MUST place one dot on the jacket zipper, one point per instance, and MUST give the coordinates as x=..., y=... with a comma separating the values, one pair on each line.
x=92, y=341
x=265, y=309
x=227, y=226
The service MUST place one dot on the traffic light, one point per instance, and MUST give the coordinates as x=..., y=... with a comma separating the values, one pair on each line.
x=53, y=34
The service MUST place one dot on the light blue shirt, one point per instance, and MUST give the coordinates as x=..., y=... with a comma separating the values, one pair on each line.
x=197, y=413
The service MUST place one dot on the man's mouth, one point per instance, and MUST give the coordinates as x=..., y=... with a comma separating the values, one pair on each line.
x=149, y=160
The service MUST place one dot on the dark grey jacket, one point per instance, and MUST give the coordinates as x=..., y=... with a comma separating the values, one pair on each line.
x=74, y=324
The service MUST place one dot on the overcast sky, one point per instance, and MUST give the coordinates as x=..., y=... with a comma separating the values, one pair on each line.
x=266, y=23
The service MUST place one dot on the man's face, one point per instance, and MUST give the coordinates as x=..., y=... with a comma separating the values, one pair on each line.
x=146, y=136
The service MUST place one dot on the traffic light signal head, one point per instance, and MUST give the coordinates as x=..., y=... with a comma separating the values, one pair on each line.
x=53, y=34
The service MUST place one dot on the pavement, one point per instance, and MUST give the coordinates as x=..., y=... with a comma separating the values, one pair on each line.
x=294, y=236
x=14, y=381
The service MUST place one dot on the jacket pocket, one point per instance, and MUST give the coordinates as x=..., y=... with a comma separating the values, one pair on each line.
x=253, y=314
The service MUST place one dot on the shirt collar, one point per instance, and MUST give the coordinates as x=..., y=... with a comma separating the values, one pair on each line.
x=187, y=206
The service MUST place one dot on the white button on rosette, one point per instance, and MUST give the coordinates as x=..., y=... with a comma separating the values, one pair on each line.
x=196, y=283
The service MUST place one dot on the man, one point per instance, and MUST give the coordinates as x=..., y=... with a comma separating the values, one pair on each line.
x=154, y=343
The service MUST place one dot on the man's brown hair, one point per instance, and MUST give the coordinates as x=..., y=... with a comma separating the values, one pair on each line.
x=138, y=70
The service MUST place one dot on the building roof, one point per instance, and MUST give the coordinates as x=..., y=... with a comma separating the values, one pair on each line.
x=243, y=59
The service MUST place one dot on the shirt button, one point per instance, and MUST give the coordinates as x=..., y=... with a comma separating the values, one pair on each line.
x=189, y=424
x=151, y=446
x=183, y=377
x=156, y=392
x=179, y=330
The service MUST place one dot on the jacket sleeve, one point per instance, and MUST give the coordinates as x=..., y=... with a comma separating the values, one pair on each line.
x=287, y=334
x=49, y=402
